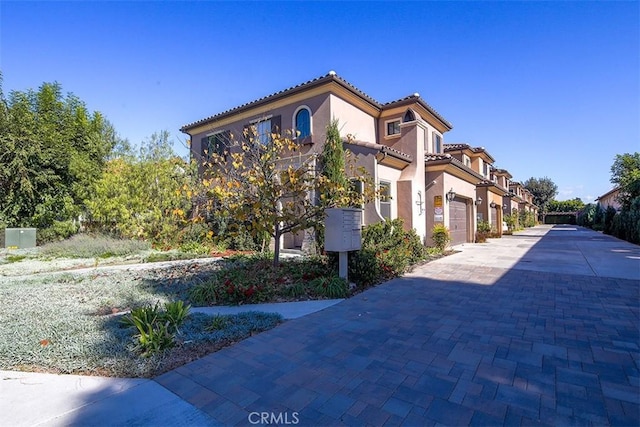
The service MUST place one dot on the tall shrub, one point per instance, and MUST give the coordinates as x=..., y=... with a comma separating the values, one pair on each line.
x=609, y=214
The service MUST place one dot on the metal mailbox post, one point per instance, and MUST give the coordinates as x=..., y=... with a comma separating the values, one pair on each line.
x=343, y=233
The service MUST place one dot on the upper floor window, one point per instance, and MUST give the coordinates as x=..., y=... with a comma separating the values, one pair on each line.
x=393, y=127
x=302, y=122
x=409, y=116
x=466, y=160
x=437, y=143
x=215, y=143
x=261, y=130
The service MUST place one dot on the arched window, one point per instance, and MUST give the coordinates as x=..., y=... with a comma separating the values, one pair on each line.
x=303, y=123
x=409, y=116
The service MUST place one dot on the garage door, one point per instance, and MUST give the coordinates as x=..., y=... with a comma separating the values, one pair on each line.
x=494, y=218
x=458, y=221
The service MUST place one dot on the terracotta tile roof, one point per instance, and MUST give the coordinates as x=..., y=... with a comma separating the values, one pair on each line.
x=455, y=147
x=416, y=98
x=434, y=157
x=382, y=148
x=504, y=172
x=449, y=159
x=462, y=146
x=612, y=191
x=330, y=76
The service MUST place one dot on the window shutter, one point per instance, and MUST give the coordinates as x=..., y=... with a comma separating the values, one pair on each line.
x=204, y=147
x=248, y=132
x=276, y=124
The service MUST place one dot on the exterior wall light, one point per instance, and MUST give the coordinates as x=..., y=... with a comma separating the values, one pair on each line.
x=493, y=205
x=479, y=201
x=420, y=203
x=451, y=195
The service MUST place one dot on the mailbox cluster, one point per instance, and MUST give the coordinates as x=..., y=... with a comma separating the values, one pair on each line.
x=343, y=229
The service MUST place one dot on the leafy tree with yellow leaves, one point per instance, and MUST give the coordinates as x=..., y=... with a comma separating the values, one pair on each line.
x=270, y=188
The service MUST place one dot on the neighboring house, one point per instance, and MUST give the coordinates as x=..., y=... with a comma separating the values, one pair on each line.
x=399, y=143
x=489, y=193
x=523, y=197
x=502, y=178
x=610, y=198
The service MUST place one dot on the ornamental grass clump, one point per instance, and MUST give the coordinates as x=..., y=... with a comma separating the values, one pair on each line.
x=156, y=328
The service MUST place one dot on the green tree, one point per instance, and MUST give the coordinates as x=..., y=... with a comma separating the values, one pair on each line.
x=52, y=149
x=543, y=190
x=572, y=205
x=332, y=165
x=625, y=173
x=145, y=196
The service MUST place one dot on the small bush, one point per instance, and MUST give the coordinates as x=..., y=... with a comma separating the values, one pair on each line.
x=330, y=287
x=254, y=279
x=58, y=231
x=197, y=248
x=364, y=268
x=441, y=237
x=483, y=232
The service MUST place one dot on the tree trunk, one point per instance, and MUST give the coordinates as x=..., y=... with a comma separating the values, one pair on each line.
x=276, y=245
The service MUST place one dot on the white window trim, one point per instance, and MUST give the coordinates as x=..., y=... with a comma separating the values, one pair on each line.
x=215, y=133
x=261, y=119
x=293, y=121
x=386, y=128
x=390, y=196
x=433, y=143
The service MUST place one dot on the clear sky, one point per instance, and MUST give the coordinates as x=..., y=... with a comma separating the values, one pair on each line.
x=548, y=88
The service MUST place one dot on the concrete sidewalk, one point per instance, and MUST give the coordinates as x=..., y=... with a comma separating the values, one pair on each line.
x=35, y=399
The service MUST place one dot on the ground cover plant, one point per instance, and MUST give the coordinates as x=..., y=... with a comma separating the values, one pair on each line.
x=254, y=279
x=93, y=246
x=71, y=323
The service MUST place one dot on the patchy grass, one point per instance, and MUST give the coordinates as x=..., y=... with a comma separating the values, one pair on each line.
x=14, y=258
x=69, y=323
x=93, y=246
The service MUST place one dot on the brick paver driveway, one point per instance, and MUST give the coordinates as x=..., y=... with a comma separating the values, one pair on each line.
x=451, y=343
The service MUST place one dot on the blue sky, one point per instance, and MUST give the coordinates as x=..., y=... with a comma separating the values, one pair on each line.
x=548, y=88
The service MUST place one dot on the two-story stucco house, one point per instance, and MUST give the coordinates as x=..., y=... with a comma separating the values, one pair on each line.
x=400, y=144
x=610, y=198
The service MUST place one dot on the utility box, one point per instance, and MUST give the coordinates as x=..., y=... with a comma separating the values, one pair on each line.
x=343, y=229
x=19, y=238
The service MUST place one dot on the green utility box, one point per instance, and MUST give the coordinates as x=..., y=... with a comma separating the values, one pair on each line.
x=19, y=238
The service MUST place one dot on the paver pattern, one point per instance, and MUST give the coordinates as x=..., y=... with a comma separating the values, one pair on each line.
x=449, y=344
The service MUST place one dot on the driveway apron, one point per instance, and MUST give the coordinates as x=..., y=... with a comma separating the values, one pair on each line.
x=537, y=328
